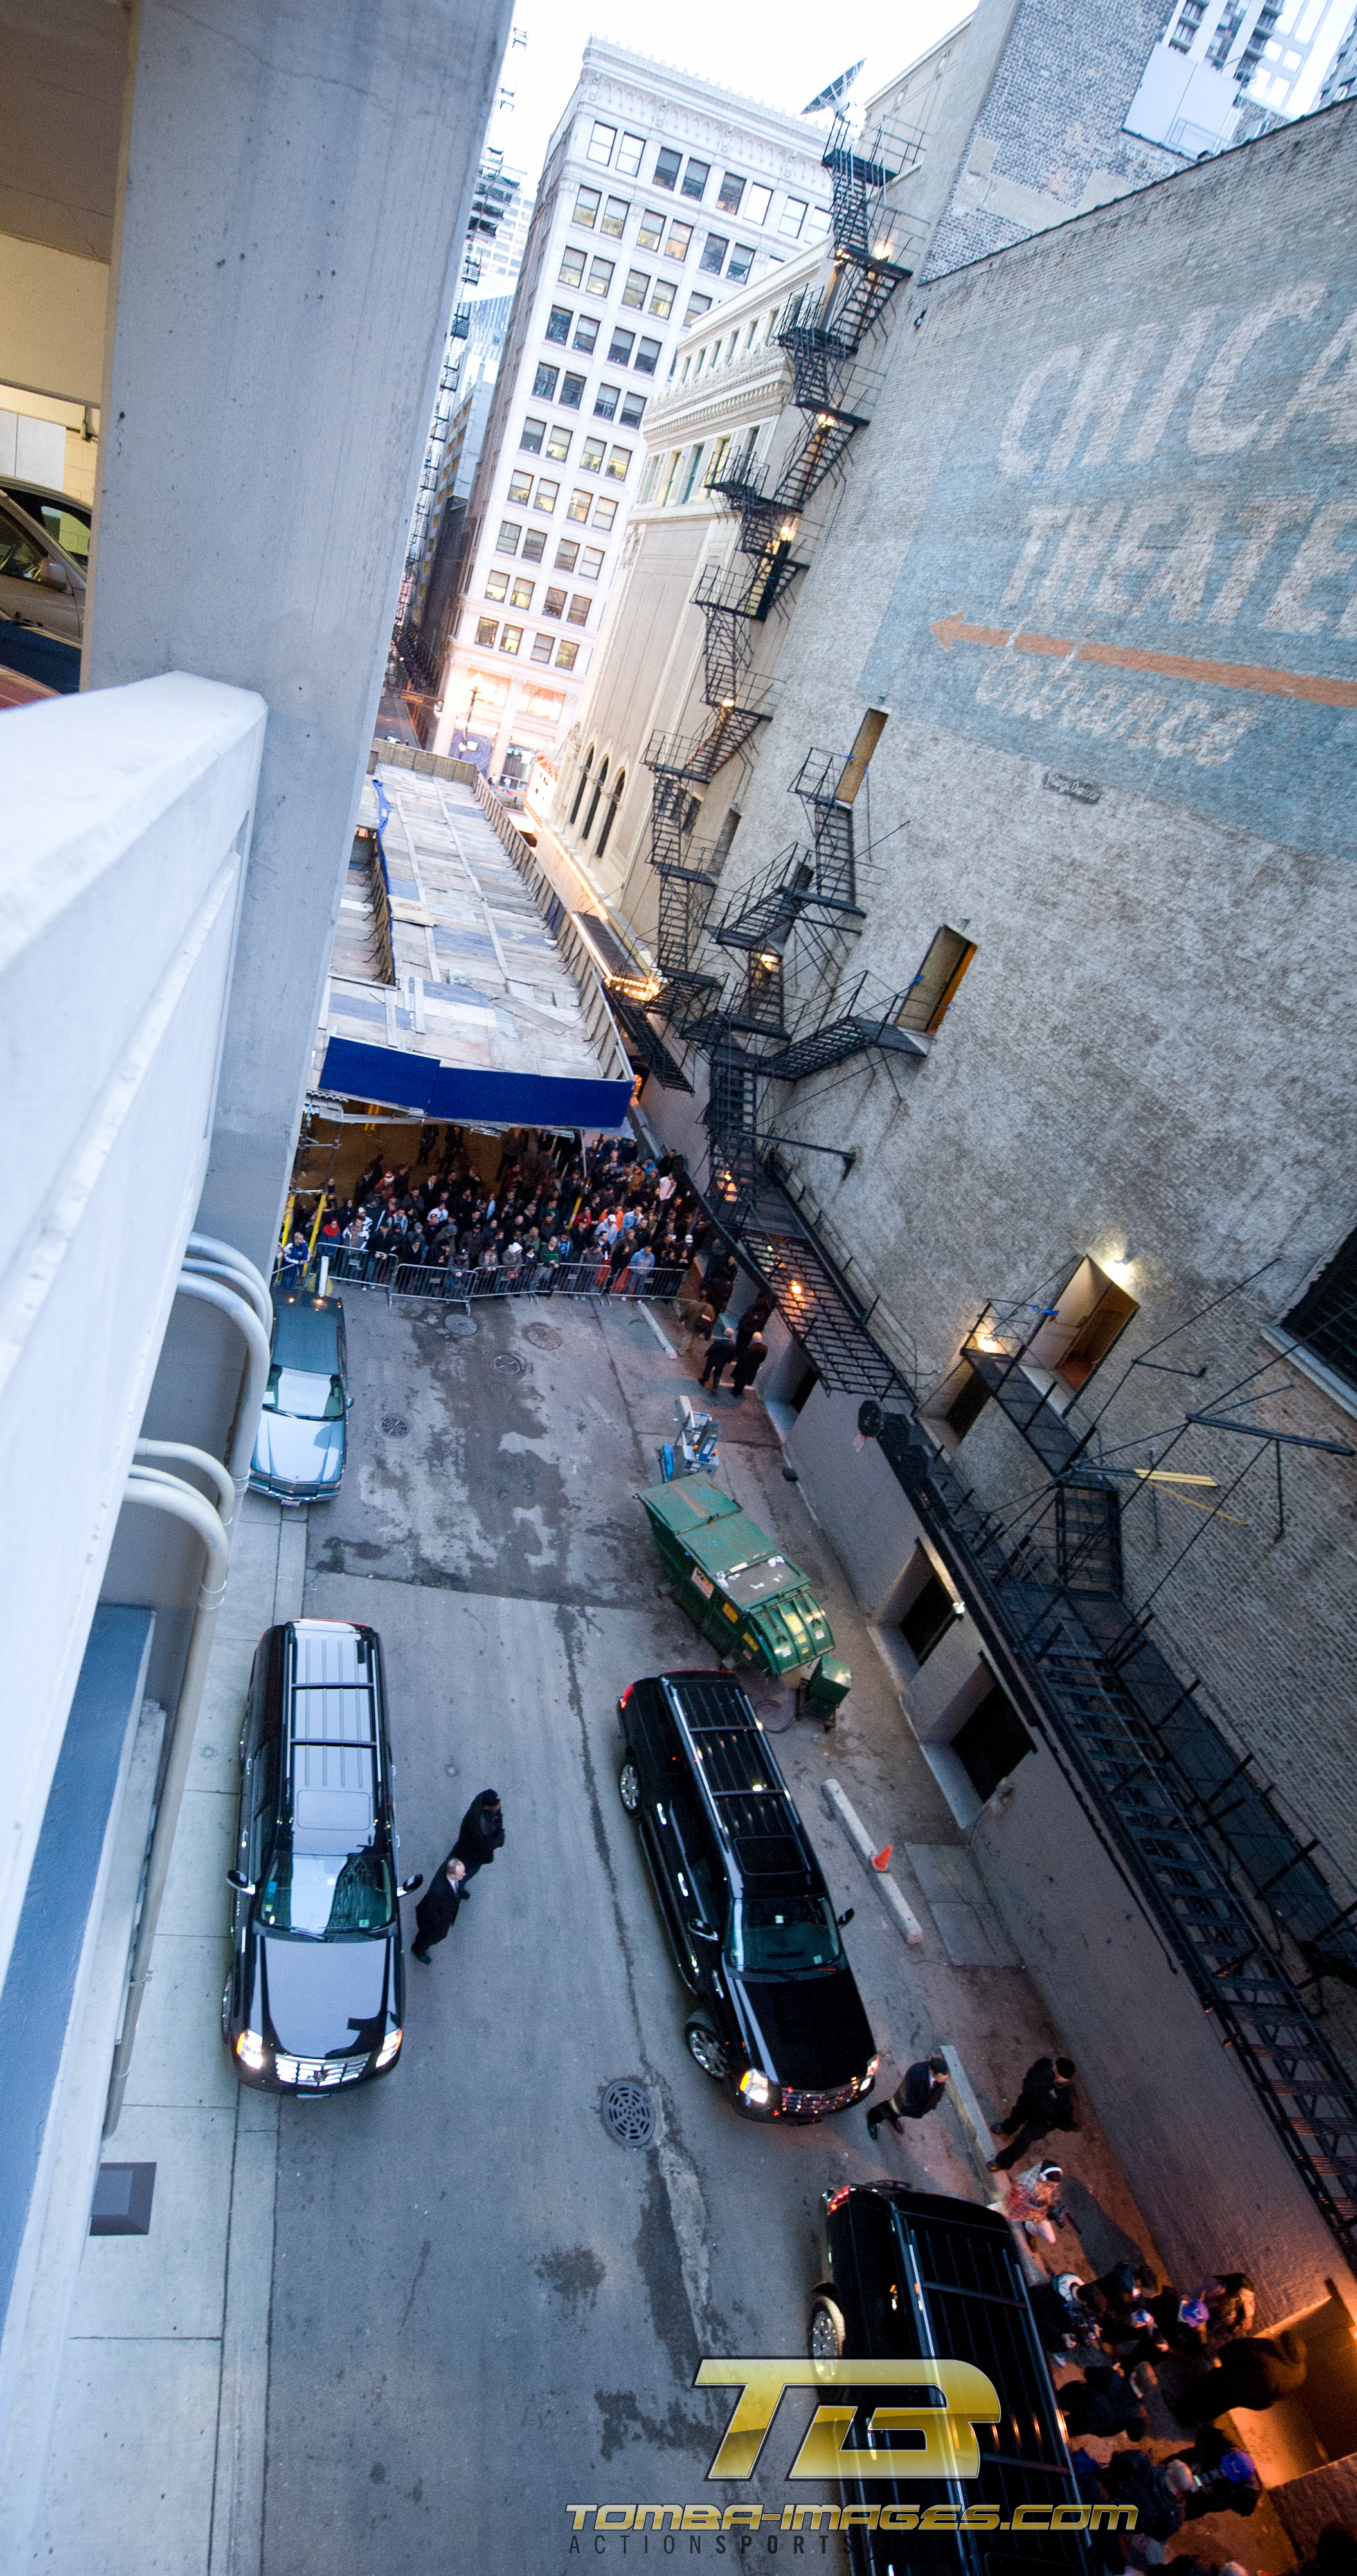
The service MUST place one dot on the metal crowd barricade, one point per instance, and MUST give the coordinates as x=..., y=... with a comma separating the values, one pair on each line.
x=450, y=1285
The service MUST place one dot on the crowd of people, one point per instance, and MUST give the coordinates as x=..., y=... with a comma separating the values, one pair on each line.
x=609, y=1215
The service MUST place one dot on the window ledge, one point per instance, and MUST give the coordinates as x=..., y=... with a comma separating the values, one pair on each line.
x=1326, y=1379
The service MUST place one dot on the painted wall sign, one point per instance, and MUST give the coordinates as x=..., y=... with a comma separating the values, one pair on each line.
x=1137, y=559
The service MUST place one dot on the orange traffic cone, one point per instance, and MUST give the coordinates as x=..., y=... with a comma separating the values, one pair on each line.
x=882, y=1859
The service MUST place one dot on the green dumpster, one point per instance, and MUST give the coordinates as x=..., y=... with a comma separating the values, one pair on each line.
x=736, y=1585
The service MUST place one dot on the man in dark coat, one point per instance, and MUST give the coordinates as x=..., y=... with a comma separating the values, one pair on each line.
x=1047, y=2101
x=1226, y=2480
x=919, y=2092
x=436, y=1911
x=1252, y=2372
x=481, y=1834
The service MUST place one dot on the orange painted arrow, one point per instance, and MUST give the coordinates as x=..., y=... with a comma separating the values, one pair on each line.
x=1174, y=666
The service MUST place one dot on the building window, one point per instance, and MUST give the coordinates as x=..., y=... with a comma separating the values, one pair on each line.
x=579, y=504
x=510, y=530
x=716, y=468
x=510, y=637
x=554, y=604
x=534, y=545
x=567, y=556
x=791, y=219
x=629, y=153
x=650, y=230
x=583, y=780
x=601, y=143
x=636, y=289
x=586, y=209
x=591, y=456
x=558, y=445
x=541, y=648
x=547, y=494
x=619, y=463
x=670, y=473
x=520, y=594
x=668, y=163
x=578, y=612
x=695, y=178
x=701, y=362
x=649, y=479
x=1325, y=1320
x=662, y=301
x=694, y=460
x=496, y=585
x=697, y=306
x=591, y=564
x=572, y=267
x=534, y=431
x=565, y=656
x=520, y=487
x=544, y=383
x=678, y=240
x=730, y=192
x=600, y=276
x=486, y=630
x=615, y=215
x=633, y=410
x=647, y=357
x=586, y=334
x=605, y=402
x=610, y=812
x=572, y=391
x=929, y=998
x=599, y=784
x=605, y=511
x=558, y=323
x=620, y=347
x=714, y=252
x=741, y=262
x=760, y=199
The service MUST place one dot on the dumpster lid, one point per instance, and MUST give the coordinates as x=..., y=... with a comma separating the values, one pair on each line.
x=690, y=1501
x=760, y=1580
x=726, y=1547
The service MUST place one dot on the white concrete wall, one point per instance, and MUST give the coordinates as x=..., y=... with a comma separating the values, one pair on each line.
x=124, y=830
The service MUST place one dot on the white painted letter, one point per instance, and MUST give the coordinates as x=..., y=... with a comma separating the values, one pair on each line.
x=1014, y=458
x=1209, y=433
x=1100, y=401
x=1317, y=559
x=1040, y=521
x=1317, y=392
x=1182, y=359
x=1266, y=520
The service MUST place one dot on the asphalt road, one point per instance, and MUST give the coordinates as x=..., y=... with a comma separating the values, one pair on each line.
x=484, y=2309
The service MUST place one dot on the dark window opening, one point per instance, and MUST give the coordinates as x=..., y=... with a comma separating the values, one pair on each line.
x=967, y=1405
x=667, y=166
x=930, y=996
x=928, y=1618
x=584, y=774
x=1326, y=1318
x=992, y=1742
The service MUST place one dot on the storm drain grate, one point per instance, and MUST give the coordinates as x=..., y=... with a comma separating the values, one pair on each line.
x=395, y=1425
x=628, y=2113
x=511, y=1364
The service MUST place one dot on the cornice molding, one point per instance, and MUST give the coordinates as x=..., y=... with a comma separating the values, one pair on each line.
x=747, y=391
x=647, y=73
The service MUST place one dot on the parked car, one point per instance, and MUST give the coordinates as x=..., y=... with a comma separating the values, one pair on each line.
x=778, y=2018
x=17, y=690
x=300, y=1445
x=68, y=522
x=42, y=601
x=910, y=2275
x=316, y=1995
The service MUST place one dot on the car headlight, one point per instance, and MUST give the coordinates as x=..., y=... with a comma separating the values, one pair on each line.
x=755, y=2088
x=870, y=2076
x=390, y=2048
x=251, y=2051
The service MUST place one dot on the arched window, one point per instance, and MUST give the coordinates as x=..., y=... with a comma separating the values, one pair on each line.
x=610, y=816
x=599, y=784
x=584, y=781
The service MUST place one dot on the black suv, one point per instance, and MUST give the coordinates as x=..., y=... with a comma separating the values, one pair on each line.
x=910, y=2275
x=316, y=1994
x=753, y=1929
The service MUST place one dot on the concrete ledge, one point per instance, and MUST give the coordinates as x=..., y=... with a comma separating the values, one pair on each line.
x=906, y=1922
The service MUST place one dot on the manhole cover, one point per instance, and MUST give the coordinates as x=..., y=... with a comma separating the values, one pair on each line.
x=628, y=2114
x=544, y=1336
x=395, y=1425
x=511, y=1364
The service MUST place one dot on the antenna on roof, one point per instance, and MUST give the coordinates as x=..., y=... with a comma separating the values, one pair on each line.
x=837, y=91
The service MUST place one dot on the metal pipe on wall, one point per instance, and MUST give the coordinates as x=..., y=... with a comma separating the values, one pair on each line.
x=232, y=1301
x=159, y=1491
x=203, y=1460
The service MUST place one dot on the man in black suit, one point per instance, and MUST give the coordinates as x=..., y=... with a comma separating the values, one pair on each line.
x=920, y=2092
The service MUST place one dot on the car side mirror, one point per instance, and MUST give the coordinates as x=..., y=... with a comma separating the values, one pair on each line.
x=348, y=1404
x=700, y=1932
x=847, y=1914
x=237, y=1879
x=408, y=1885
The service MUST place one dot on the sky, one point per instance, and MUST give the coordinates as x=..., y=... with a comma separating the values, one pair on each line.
x=780, y=51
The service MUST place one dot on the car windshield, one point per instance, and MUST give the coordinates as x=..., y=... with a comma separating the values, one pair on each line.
x=783, y=1936
x=295, y=1391
x=324, y=1893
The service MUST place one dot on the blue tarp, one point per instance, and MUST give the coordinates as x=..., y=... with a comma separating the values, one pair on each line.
x=470, y=1095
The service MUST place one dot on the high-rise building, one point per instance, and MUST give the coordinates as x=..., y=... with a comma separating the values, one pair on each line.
x=1223, y=70
x=661, y=194
x=1340, y=80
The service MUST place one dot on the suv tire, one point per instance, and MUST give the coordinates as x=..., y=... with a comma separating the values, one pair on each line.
x=629, y=1785
x=827, y=2334
x=706, y=2050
